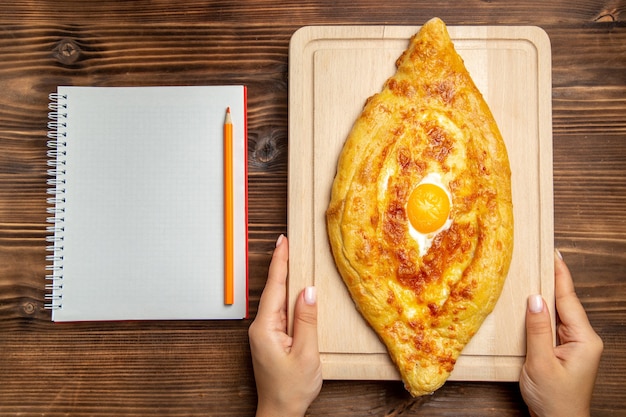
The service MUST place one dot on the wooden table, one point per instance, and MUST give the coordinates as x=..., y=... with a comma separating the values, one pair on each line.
x=204, y=368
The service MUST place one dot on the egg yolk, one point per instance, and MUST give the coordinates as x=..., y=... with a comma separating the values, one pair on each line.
x=428, y=208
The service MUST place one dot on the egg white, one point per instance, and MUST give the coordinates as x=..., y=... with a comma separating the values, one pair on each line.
x=425, y=241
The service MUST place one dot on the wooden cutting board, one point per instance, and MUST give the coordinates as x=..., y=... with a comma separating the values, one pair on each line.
x=332, y=70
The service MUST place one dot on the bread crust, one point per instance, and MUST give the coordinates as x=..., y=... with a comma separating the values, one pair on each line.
x=429, y=117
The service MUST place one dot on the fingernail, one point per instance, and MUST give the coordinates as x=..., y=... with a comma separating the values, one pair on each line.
x=310, y=295
x=558, y=254
x=279, y=240
x=535, y=303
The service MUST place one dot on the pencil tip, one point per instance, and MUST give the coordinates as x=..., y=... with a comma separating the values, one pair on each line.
x=227, y=119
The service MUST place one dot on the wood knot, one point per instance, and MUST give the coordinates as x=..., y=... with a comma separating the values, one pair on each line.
x=605, y=17
x=266, y=150
x=29, y=308
x=67, y=51
x=610, y=12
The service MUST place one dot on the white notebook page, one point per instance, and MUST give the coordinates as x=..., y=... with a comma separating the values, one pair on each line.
x=143, y=224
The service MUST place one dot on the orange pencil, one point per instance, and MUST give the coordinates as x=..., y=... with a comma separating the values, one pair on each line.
x=229, y=297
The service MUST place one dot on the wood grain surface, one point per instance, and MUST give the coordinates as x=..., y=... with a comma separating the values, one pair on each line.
x=204, y=368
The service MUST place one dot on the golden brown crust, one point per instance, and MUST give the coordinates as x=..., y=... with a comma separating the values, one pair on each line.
x=429, y=117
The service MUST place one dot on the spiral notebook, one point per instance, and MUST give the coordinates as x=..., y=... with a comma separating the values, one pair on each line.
x=136, y=203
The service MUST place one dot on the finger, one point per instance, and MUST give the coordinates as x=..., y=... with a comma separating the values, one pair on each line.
x=568, y=306
x=305, y=323
x=274, y=297
x=539, y=339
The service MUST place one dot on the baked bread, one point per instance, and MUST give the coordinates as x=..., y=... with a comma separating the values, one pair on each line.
x=420, y=219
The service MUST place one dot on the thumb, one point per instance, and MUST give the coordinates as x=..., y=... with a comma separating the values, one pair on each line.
x=305, y=322
x=539, y=340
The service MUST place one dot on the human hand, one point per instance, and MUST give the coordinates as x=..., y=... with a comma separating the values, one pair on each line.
x=287, y=369
x=558, y=381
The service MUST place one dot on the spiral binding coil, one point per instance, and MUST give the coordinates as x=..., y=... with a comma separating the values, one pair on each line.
x=57, y=131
